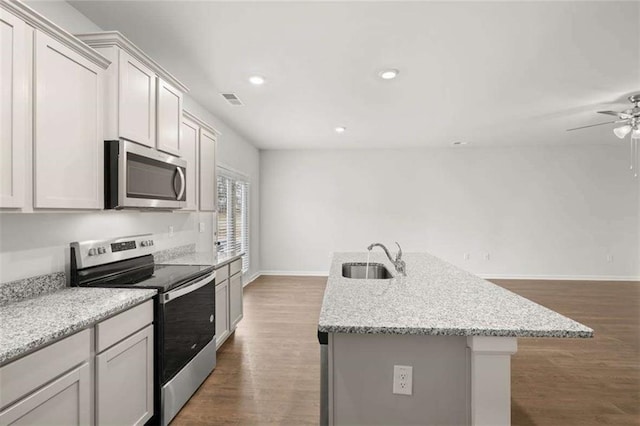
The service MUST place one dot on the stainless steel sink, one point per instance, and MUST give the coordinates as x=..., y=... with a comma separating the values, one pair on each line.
x=358, y=270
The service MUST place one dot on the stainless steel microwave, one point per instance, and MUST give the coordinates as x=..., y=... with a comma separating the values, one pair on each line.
x=140, y=177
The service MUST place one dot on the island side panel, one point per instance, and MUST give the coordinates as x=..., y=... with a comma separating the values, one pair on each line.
x=361, y=379
x=490, y=361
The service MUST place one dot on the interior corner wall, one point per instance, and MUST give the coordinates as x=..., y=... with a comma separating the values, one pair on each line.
x=234, y=152
x=535, y=212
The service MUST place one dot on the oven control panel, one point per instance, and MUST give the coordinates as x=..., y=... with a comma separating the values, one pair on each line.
x=98, y=252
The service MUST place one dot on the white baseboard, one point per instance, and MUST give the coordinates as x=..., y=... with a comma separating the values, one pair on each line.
x=297, y=273
x=558, y=277
x=251, y=279
x=485, y=276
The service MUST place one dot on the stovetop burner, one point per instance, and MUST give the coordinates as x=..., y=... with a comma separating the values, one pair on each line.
x=165, y=277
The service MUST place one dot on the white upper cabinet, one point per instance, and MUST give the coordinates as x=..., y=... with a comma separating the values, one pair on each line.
x=169, y=118
x=208, y=185
x=51, y=115
x=68, y=145
x=137, y=106
x=144, y=101
x=13, y=110
x=198, y=147
x=189, y=148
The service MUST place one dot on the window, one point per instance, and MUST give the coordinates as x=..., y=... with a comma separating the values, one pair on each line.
x=233, y=216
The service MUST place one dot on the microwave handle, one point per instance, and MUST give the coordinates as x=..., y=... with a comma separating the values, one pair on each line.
x=182, y=183
x=175, y=175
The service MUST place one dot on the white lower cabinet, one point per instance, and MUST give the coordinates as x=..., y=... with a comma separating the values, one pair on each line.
x=57, y=384
x=124, y=381
x=65, y=401
x=229, y=309
x=235, y=300
x=222, y=312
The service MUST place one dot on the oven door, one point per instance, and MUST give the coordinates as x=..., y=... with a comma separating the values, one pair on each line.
x=187, y=315
x=148, y=178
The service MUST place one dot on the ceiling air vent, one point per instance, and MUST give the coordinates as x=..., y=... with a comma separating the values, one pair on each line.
x=232, y=99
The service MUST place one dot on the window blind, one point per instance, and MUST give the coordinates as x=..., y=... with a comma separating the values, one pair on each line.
x=233, y=217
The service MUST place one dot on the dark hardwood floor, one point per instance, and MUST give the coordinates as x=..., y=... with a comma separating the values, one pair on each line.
x=268, y=372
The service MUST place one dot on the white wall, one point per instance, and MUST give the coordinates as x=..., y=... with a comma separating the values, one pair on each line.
x=38, y=243
x=235, y=153
x=537, y=211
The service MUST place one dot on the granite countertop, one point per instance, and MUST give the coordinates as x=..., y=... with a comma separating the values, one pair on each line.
x=204, y=258
x=435, y=298
x=35, y=322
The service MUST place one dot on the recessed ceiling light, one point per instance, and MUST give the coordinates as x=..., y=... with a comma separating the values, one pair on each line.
x=340, y=129
x=256, y=80
x=389, y=74
x=460, y=143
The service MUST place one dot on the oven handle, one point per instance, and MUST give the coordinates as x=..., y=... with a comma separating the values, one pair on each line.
x=181, y=291
x=182, y=183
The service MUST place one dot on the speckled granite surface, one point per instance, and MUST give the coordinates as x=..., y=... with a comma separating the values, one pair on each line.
x=34, y=322
x=207, y=258
x=15, y=291
x=435, y=298
x=163, y=256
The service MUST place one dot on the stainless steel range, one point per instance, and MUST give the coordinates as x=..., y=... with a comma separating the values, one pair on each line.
x=184, y=314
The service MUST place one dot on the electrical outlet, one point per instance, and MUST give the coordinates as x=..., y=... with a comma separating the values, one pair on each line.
x=609, y=258
x=171, y=232
x=201, y=227
x=467, y=256
x=487, y=256
x=403, y=379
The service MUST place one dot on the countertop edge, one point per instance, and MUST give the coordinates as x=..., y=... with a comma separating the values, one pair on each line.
x=43, y=341
x=332, y=321
x=455, y=332
x=227, y=261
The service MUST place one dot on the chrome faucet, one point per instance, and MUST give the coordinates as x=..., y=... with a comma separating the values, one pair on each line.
x=399, y=264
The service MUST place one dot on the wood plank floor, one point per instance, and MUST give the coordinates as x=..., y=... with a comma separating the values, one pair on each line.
x=268, y=372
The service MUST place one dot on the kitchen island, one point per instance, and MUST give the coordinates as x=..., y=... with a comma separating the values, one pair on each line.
x=456, y=330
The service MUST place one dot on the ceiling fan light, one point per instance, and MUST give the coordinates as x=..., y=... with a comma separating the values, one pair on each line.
x=623, y=131
x=635, y=134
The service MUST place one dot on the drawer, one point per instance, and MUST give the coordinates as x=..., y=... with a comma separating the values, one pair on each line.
x=116, y=328
x=235, y=267
x=222, y=274
x=65, y=401
x=26, y=374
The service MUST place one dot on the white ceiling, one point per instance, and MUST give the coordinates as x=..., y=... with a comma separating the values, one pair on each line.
x=490, y=73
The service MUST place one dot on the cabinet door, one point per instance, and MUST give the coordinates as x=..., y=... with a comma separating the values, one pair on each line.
x=208, y=186
x=189, y=151
x=65, y=401
x=169, y=118
x=68, y=145
x=13, y=110
x=222, y=312
x=137, y=103
x=124, y=381
x=235, y=300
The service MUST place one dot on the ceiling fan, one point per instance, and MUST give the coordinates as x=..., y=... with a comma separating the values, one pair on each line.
x=630, y=120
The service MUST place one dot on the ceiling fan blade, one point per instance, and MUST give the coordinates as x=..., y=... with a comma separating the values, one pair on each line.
x=624, y=115
x=609, y=113
x=594, y=125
